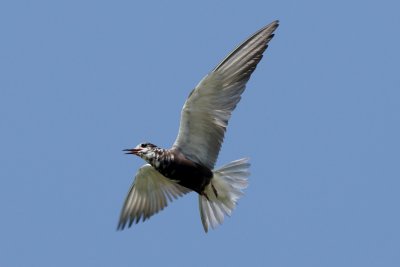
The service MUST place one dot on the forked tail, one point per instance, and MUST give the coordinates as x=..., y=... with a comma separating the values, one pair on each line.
x=222, y=193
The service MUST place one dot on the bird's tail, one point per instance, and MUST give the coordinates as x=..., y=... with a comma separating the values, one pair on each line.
x=222, y=193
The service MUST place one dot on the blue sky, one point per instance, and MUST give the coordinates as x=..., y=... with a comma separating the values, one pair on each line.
x=320, y=120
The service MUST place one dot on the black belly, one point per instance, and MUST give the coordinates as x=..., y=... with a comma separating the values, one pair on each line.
x=188, y=174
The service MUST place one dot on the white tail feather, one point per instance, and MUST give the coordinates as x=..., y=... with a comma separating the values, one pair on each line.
x=222, y=193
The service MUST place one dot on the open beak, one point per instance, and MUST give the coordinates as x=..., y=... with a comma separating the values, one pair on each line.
x=133, y=151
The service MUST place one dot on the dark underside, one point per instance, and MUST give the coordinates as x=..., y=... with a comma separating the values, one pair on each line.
x=187, y=173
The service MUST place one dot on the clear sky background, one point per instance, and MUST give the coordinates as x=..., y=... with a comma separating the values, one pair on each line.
x=320, y=120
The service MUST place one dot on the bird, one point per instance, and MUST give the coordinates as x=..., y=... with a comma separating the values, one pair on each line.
x=189, y=165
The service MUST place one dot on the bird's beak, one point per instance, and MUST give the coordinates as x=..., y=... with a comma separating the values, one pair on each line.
x=133, y=151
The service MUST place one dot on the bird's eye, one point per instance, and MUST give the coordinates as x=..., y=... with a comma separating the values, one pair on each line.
x=143, y=145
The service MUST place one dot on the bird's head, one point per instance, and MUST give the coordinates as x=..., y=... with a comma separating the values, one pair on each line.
x=144, y=150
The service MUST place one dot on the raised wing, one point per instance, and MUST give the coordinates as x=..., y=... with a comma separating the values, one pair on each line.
x=149, y=194
x=206, y=112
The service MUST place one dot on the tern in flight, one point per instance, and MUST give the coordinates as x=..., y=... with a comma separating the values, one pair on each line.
x=189, y=164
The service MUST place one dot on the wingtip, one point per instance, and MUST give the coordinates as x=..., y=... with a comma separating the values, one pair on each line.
x=274, y=24
x=121, y=226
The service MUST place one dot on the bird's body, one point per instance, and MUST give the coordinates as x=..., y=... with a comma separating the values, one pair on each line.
x=189, y=164
x=175, y=166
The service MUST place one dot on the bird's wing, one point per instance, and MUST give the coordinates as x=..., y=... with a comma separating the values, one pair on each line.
x=206, y=112
x=150, y=193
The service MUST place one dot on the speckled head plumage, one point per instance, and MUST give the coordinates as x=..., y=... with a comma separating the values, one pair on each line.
x=144, y=150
